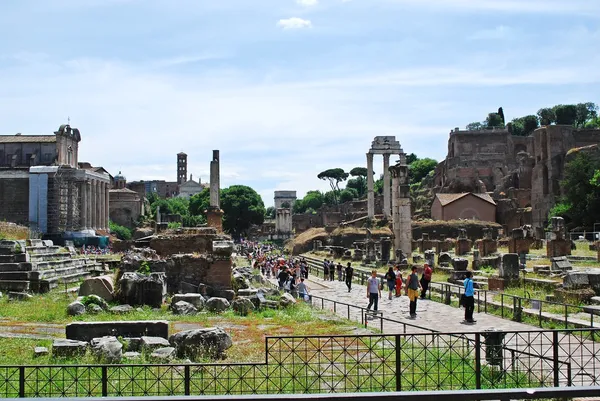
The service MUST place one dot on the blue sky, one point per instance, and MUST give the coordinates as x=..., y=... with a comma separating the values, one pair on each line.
x=284, y=88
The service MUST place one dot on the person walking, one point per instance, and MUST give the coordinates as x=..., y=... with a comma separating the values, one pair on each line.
x=373, y=291
x=303, y=290
x=399, y=281
x=349, y=274
x=332, y=271
x=426, y=279
x=469, y=301
x=325, y=270
x=413, y=291
x=390, y=278
x=340, y=271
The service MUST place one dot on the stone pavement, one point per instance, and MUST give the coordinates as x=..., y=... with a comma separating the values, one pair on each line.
x=430, y=314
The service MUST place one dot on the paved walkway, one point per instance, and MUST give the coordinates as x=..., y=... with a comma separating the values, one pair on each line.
x=430, y=314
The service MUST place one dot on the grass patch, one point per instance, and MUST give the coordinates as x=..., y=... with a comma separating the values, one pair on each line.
x=13, y=231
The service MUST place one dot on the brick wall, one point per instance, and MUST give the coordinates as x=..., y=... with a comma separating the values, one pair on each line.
x=14, y=200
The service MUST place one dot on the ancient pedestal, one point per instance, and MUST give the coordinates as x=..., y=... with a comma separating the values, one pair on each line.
x=358, y=255
x=496, y=283
x=463, y=246
x=445, y=259
x=425, y=243
x=430, y=257
x=558, y=245
x=445, y=245
x=401, y=214
x=487, y=246
x=386, y=245
x=476, y=260
x=370, y=254
x=509, y=270
x=214, y=218
x=520, y=245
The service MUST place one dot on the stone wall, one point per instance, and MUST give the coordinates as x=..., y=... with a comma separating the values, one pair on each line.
x=14, y=196
x=450, y=229
x=200, y=242
x=125, y=207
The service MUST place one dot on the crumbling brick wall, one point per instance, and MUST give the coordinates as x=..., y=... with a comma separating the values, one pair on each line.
x=14, y=200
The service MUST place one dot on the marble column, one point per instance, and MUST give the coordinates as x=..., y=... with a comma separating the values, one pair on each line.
x=370, y=183
x=386, y=187
x=106, y=205
x=83, y=207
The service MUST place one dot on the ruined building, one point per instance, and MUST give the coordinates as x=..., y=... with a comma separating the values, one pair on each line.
x=41, y=184
x=126, y=206
x=522, y=174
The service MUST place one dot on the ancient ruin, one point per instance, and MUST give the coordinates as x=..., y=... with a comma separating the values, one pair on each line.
x=214, y=214
x=386, y=146
x=401, y=213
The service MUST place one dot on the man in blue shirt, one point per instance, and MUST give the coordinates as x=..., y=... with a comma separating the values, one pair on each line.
x=469, y=302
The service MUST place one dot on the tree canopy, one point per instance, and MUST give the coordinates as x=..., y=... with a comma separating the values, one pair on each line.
x=420, y=168
x=334, y=176
x=580, y=204
x=242, y=207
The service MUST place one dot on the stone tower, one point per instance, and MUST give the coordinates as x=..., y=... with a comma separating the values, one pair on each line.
x=401, y=215
x=181, y=168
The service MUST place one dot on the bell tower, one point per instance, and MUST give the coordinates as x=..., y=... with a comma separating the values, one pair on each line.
x=181, y=168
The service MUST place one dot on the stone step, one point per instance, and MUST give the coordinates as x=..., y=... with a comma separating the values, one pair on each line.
x=57, y=264
x=44, y=249
x=49, y=256
x=16, y=267
x=67, y=270
x=53, y=282
x=14, y=285
x=14, y=258
x=14, y=276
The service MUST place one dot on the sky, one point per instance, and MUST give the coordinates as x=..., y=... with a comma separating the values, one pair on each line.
x=283, y=88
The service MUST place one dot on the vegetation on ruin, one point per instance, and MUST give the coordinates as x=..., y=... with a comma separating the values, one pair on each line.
x=581, y=115
x=580, y=205
x=122, y=233
x=13, y=231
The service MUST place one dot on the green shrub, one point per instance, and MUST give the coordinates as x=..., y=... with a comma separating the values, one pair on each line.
x=123, y=233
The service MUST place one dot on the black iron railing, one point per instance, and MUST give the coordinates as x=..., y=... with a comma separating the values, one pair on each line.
x=339, y=364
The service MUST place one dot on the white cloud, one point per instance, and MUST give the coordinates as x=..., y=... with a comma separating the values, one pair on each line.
x=294, y=23
x=307, y=3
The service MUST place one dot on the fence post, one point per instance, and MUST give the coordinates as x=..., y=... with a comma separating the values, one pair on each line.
x=186, y=379
x=104, y=381
x=21, y=381
x=398, y=363
x=555, y=357
x=477, y=361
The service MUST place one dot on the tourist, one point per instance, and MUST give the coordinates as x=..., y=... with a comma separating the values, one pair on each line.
x=349, y=274
x=332, y=271
x=325, y=270
x=413, y=291
x=469, y=301
x=340, y=271
x=426, y=279
x=303, y=290
x=373, y=291
x=282, y=276
x=399, y=281
x=390, y=278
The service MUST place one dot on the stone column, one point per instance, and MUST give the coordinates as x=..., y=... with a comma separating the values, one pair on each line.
x=370, y=193
x=386, y=187
x=93, y=199
x=101, y=208
x=98, y=205
x=70, y=205
x=401, y=215
x=214, y=214
x=106, y=205
x=84, y=204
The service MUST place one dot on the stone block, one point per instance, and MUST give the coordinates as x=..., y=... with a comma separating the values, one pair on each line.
x=107, y=349
x=445, y=259
x=519, y=245
x=491, y=261
x=62, y=348
x=561, y=263
x=576, y=279
x=139, y=289
x=574, y=296
x=149, y=343
x=40, y=351
x=193, y=298
x=496, y=284
x=198, y=343
x=101, y=286
x=487, y=247
x=164, y=354
x=509, y=268
x=86, y=331
x=460, y=264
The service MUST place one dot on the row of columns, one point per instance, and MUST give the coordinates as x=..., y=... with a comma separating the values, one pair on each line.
x=387, y=202
x=94, y=208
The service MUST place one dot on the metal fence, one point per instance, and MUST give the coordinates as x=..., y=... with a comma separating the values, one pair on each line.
x=339, y=364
